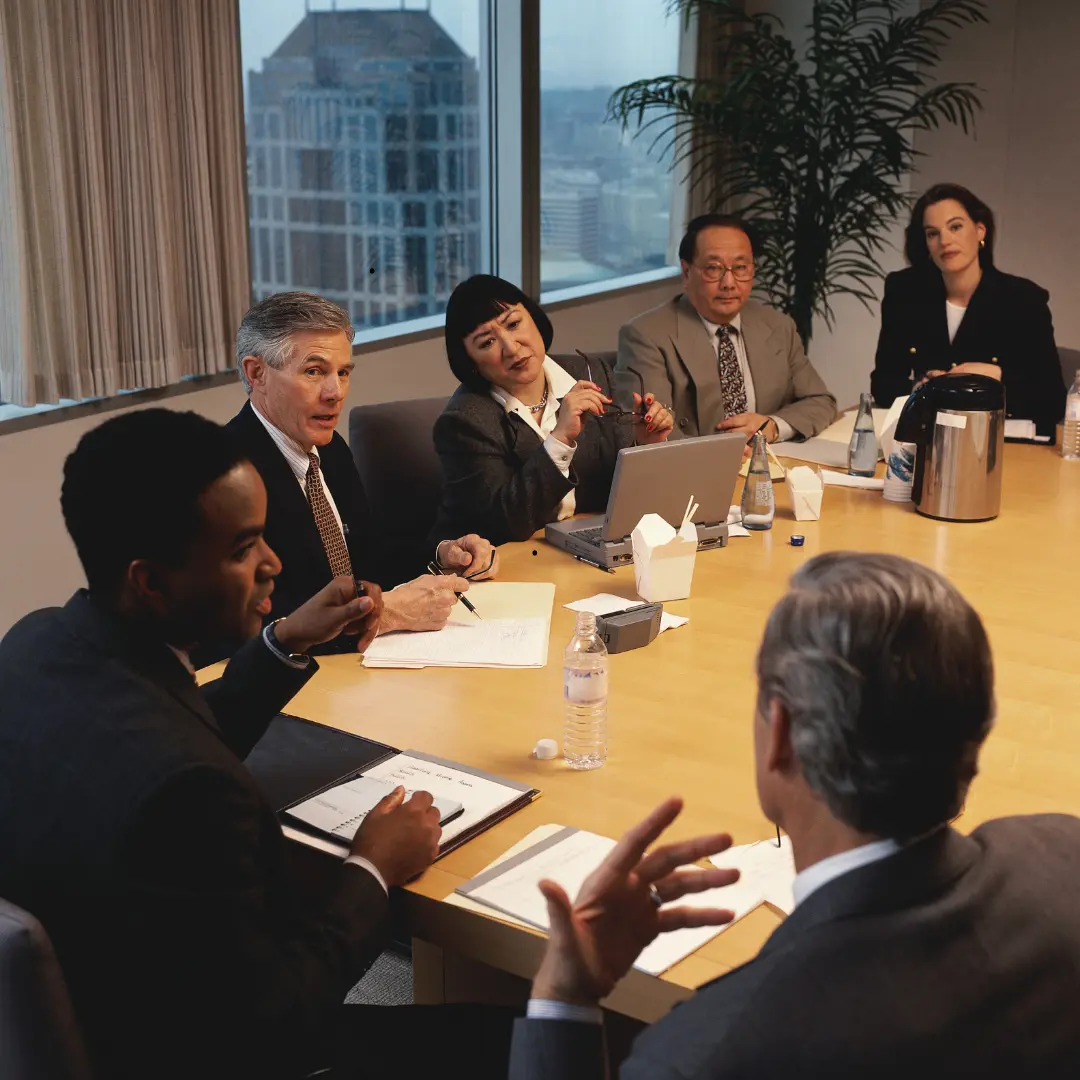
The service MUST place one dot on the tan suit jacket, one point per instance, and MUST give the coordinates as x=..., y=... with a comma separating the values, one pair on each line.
x=670, y=347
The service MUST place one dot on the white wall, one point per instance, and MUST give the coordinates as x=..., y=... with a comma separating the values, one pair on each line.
x=1023, y=160
x=39, y=565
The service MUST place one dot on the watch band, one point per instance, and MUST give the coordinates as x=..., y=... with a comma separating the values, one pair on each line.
x=296, y=660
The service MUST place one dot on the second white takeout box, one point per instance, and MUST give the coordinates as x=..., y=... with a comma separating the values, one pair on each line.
x=663, y=559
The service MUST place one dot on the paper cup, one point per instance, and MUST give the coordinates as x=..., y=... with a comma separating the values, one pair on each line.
x=899, y=472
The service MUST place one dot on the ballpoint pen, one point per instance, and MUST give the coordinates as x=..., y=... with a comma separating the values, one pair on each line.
x=599, y=566
x=433, y=569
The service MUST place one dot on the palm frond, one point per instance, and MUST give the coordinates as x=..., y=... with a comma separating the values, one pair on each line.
x=813, y=149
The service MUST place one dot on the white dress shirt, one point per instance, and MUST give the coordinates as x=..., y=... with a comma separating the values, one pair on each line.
x=560, y=383
x=809, y=881
x=297, y=457
x=821, y=873
x=954, y=316
x=783, y=428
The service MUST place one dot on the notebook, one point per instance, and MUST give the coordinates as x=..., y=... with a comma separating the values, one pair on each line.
x=469, y=800
x=508, y=889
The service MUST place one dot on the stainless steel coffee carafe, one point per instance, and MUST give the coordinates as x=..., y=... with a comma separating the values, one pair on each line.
x=957, y=423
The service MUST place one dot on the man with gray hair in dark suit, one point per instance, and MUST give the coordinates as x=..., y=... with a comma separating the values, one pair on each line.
x=913, y=950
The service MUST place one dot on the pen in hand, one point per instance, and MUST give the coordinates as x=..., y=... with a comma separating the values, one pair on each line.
x=433, y=569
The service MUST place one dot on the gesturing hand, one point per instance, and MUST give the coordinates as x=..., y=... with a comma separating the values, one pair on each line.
x=334, y=610
x=595, y=939
x=585, y=397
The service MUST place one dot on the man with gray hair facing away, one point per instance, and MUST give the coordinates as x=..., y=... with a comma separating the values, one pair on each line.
x=913, y=950
x=294, y=356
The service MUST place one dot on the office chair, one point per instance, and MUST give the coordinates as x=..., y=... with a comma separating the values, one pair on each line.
x=392, y=446
x=1070, y=364
x=39, y=1035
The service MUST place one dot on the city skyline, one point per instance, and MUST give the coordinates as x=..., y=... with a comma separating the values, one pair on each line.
x=365, y=171
x=569, y=32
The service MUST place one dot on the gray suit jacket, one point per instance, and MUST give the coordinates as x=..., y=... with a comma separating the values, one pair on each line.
x=670, y=347
x=956, y=957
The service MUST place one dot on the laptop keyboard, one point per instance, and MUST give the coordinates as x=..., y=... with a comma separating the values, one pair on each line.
x=590, y=536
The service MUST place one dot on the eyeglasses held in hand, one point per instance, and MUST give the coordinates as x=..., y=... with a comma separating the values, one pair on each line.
x=715, y=271
x=615, y=412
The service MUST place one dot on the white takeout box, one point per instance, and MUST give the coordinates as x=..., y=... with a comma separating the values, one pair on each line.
x=663, y=559
x=804, y=489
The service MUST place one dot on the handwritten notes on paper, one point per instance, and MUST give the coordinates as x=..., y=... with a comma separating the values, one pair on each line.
x=520, y=643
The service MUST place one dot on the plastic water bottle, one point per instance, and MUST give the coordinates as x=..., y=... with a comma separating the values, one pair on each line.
x=585, y=692
x=862, y=450
x=1070, y=432
x=758, y=504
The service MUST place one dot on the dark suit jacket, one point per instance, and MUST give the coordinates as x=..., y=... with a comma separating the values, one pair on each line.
x=1007, y=323
x=292, y=533
x=956, y=957
x=136, y=835
x=670, y=347
x=500, y=482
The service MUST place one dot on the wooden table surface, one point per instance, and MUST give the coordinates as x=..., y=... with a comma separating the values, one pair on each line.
x=680, y=711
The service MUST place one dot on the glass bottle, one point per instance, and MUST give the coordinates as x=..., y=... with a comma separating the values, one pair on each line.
x=758, y=505
x=1070, y=430
x=862, y=450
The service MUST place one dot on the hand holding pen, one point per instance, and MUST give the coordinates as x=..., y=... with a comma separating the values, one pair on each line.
x=434, y=569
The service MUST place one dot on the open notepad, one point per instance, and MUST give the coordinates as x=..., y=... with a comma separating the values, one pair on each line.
x=511, y=631
x=336, y=813
x=508, y=887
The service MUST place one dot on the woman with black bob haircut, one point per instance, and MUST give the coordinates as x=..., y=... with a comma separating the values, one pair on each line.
x=952, y=312
x=526, y=440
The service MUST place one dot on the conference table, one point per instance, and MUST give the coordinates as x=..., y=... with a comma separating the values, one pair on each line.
x=681, y=709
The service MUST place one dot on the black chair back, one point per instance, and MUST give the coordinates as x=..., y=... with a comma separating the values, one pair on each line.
x=39, y=1036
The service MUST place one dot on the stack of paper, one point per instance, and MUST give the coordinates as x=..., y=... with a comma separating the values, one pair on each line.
x=568, y=856
x=765, y=866
x=510, y=630
x=831, y=446
x=838, y=479
x=1024, y=429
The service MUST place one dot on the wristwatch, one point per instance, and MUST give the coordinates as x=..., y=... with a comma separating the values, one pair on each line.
x=275, y=646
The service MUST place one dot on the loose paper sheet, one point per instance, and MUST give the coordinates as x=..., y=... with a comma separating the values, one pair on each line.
x=606, y=603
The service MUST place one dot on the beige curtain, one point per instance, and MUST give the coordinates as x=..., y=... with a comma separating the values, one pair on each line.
x=710, y=35
x=123, y=244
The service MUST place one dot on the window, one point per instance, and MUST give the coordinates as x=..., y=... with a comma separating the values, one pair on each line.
x=427, y=170
x=427, y=127
x=605, y=200
x=368, y=131
x=397, y=170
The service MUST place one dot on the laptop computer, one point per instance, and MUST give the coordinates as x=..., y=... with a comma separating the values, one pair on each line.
x=658, y=479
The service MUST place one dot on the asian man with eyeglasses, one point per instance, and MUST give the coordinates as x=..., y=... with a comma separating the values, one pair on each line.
x=724, y=362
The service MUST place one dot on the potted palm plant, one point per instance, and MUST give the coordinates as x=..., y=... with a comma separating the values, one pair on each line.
x=811, y=147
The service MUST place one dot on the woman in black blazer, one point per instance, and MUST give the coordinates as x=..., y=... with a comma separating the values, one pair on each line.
x=524, y=440
x=953, y=312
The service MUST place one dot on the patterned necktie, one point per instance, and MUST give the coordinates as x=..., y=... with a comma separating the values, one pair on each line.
x=332, y=540
x=732, y=385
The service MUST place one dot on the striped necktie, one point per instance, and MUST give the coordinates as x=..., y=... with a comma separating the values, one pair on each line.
x=732, y=384
x=337, y=552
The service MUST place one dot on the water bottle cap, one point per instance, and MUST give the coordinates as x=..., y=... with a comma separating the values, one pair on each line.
x=797, y=540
